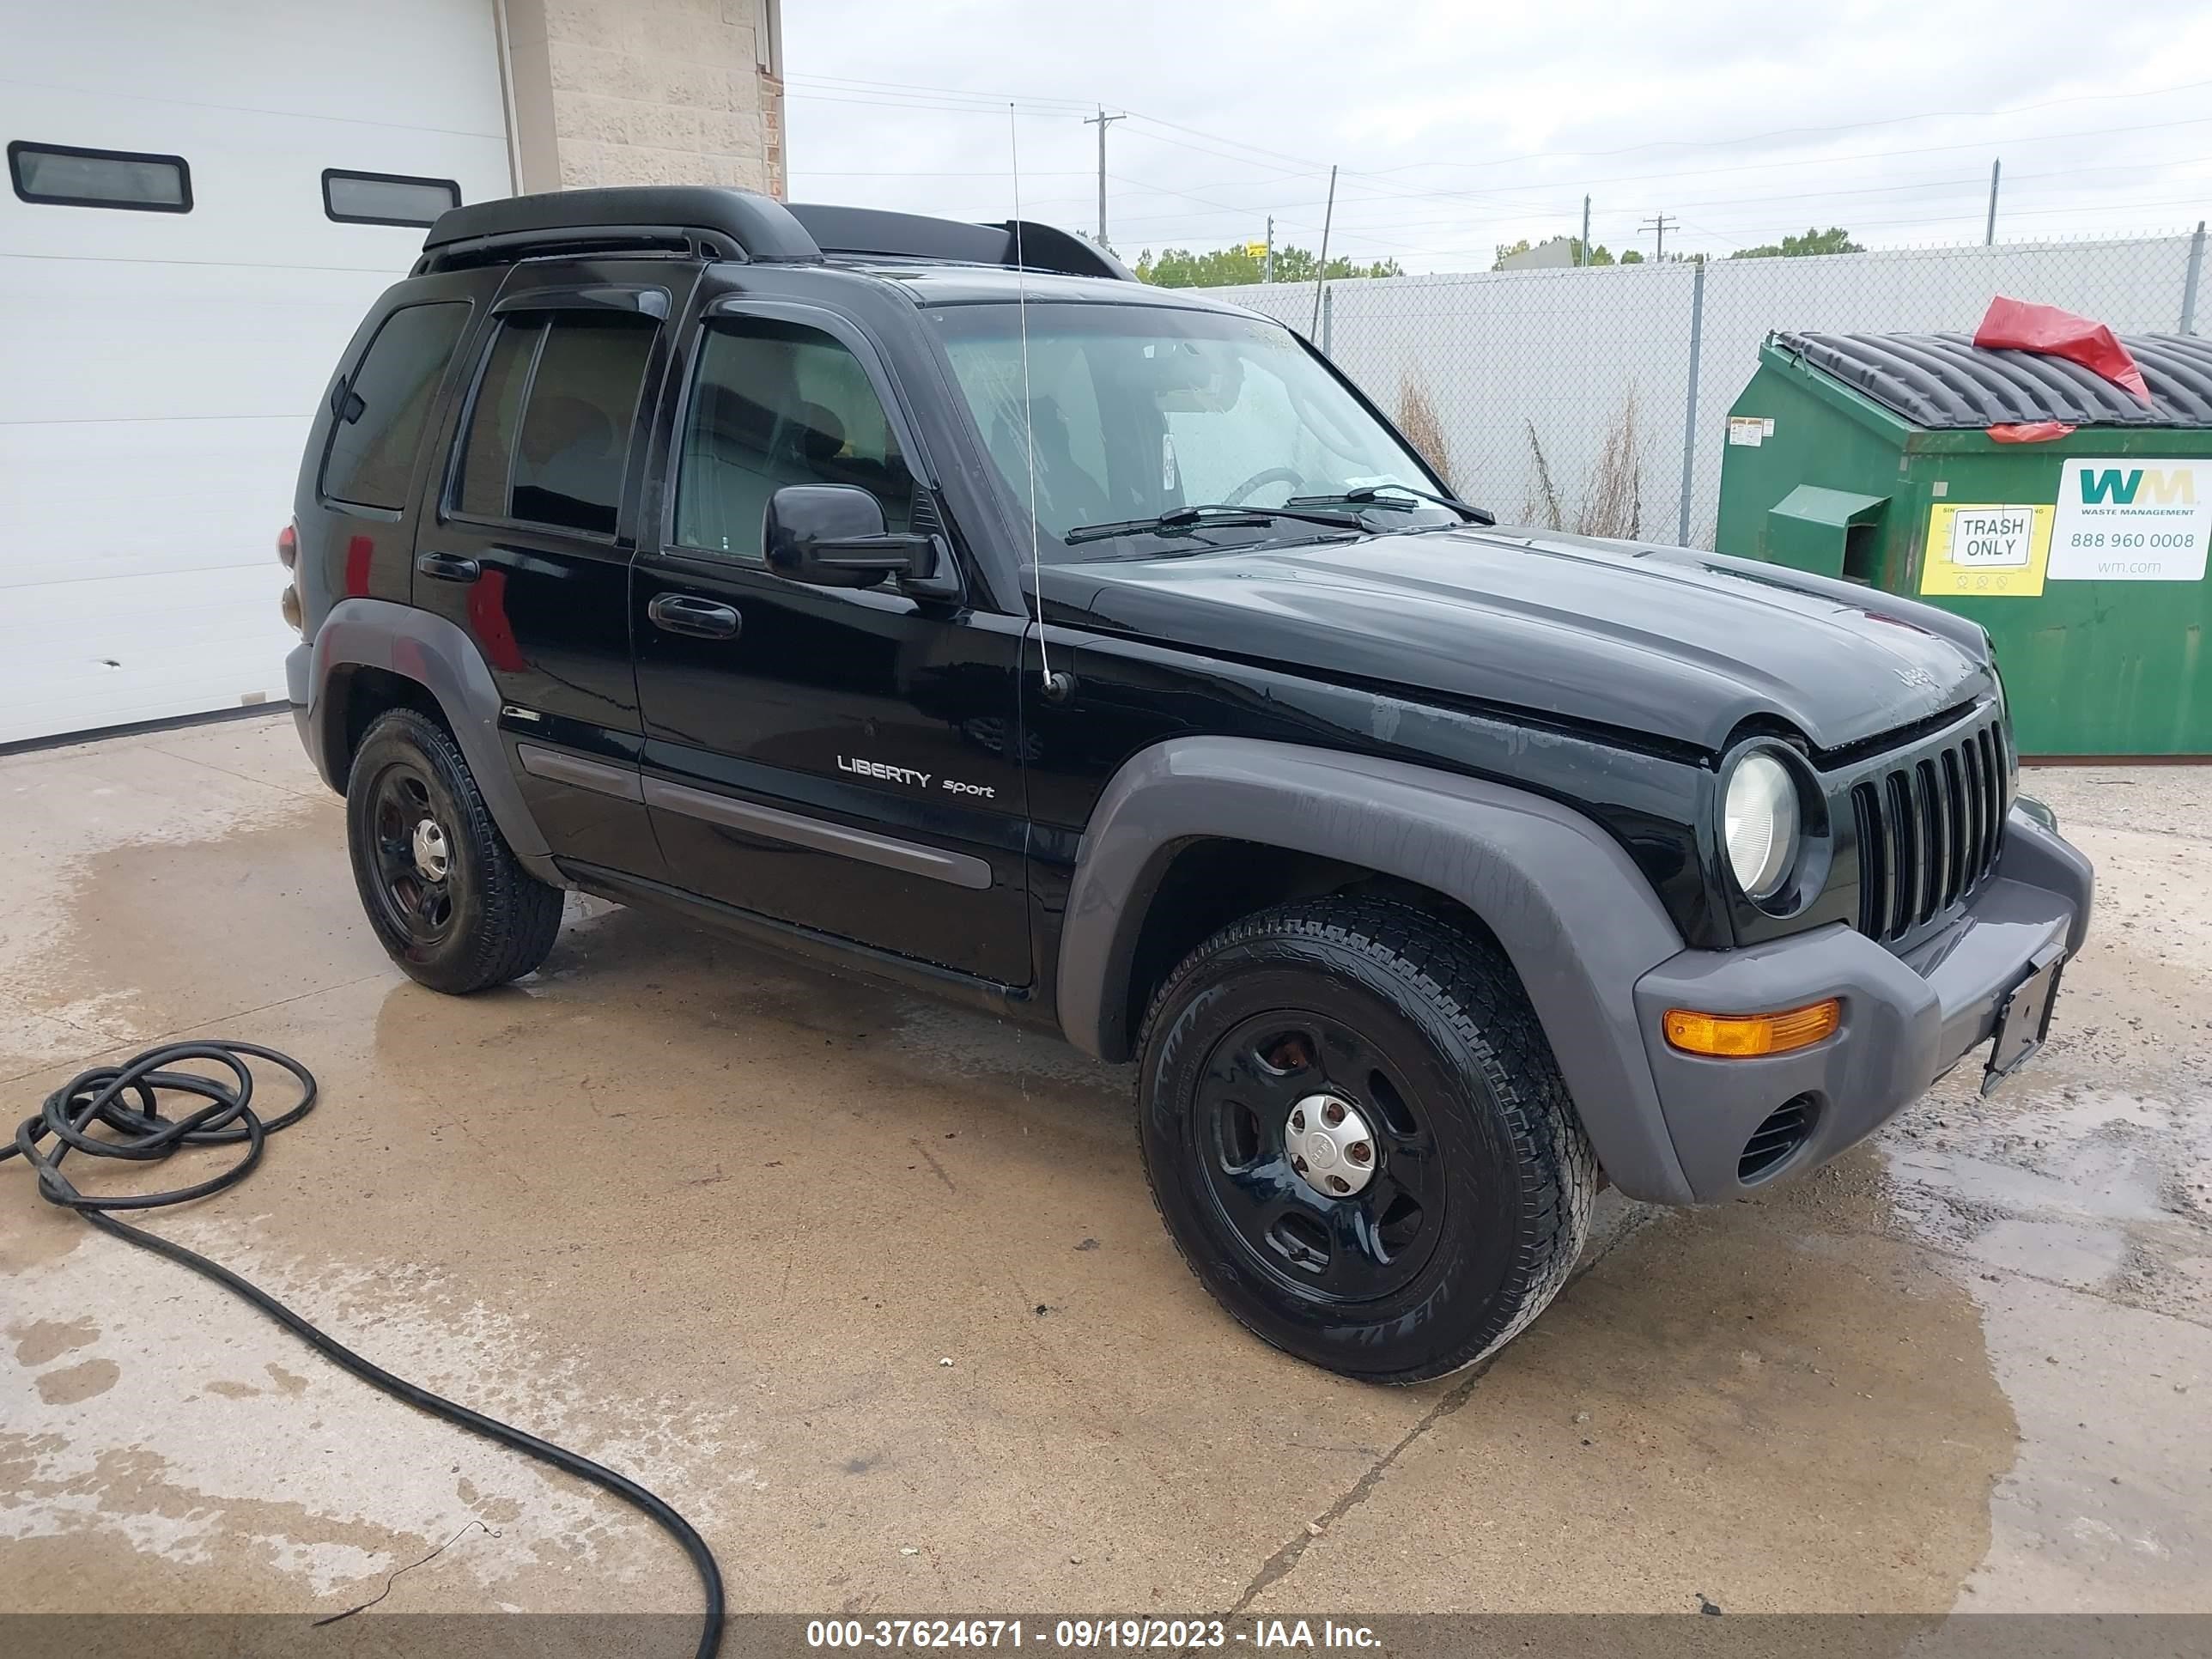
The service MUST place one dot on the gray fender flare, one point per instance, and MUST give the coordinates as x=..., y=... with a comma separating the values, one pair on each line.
x=1578, y=920
x=438, y=656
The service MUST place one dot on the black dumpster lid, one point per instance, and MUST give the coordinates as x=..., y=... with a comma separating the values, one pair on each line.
x=1947, y=380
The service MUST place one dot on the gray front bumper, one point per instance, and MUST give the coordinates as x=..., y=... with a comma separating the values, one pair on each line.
x=1906, y=1020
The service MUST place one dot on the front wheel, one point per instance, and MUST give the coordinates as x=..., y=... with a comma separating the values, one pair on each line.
x=449, y=901
x=1356, y=1133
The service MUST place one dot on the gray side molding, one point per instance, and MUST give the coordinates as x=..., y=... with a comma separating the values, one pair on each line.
x=961, y=869
x=438, y=656
x=1578, y=920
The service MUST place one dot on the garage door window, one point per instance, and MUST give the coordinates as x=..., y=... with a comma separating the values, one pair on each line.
x=549, y=436
x=386, y=198
x=387, y=404
x=62, y=175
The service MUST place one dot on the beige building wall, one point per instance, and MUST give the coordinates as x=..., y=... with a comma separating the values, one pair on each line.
x=645, y=92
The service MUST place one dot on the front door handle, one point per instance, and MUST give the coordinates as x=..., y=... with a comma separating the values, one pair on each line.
x=679, y=613
x=448, y=567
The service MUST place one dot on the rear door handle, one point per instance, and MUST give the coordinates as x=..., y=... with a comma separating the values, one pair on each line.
x=448, y=567
x=679, y=613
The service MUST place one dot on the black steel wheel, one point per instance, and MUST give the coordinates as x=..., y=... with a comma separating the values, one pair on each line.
x=1358, y=1137
x=446, y=897
x=1318, y=1158
x=413, y=851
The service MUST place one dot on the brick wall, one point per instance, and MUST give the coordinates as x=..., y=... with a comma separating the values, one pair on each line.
x=646, y=92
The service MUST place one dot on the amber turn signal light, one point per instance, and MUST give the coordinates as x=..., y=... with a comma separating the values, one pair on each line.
x=1742, y=1036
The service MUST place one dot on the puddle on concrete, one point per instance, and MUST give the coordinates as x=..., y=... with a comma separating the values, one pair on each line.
x=722, y=1215
x=1740, y=1404
x=2076, y=1205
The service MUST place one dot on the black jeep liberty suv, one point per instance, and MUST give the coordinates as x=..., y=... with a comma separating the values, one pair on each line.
x=934, y=599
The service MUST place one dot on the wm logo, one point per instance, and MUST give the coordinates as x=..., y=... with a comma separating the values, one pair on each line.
x=2121, y=487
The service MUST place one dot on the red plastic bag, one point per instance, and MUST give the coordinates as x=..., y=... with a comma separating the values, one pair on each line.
x=2057, y=333
x=2031, y=432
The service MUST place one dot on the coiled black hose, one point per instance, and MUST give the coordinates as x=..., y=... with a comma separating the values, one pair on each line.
x=126, y=1101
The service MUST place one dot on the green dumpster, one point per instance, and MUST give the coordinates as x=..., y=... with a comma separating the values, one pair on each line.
x=1870, y=457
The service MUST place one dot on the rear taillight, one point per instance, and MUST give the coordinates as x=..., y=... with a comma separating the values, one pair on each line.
x=288, y=554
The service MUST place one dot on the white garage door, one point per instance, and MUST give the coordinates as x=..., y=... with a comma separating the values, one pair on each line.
x=158, y=368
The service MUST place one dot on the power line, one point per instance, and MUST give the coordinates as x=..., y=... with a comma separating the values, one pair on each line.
x=962, y=97
x=1975, y=181
x=1783, y=132
x=965, y=101
x=1369, y=188
x=1796, y=163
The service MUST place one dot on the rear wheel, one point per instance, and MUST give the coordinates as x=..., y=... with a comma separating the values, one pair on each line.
x=1356, y=1135
x=447, y=898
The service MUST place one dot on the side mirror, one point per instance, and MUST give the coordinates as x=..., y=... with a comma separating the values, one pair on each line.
x=833, y=536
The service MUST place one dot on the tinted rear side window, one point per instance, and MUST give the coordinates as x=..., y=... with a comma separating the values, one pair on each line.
x=549, y=438
x=488, y=446
x=387, y=405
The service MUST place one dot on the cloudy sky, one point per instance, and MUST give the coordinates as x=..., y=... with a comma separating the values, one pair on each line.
x=1461, y=126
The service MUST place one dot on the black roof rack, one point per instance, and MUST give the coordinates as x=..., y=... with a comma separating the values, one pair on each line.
x=738, y=224
x=875, y=233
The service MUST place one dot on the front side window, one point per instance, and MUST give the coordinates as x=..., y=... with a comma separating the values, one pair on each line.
x=384, y=408
x=1137, y=410
x=775, y=403
x=548, y=438
x=64, y=175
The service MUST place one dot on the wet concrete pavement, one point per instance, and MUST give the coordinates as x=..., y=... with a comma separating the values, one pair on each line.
x=720, y=1220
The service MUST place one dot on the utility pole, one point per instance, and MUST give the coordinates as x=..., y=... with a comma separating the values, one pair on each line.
x=1267, y=271
x=1583, y=254
x=2189, y=282
x=1102, y=121
x=1320, y=274
x=1989, y=234
x=1660, y=224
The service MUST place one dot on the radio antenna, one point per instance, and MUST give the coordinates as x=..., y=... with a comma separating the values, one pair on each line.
x=1056, y=687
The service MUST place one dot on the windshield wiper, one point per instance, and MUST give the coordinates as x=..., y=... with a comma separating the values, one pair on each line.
x=1394, y=495
x=1209, y=515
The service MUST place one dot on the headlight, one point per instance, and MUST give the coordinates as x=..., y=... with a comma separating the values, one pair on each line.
x=1758, y=822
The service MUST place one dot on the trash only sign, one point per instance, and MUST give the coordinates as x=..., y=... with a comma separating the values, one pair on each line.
x=2145, y=521
x=1985, y=552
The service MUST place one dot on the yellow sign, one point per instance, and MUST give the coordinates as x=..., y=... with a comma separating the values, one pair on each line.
x=1256, y=250
x=1985, y=552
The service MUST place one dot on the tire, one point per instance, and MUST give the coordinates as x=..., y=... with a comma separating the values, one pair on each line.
x=487, y=920
x=1420, y=1041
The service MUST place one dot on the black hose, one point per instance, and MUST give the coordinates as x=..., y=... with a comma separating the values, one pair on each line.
x=105, y=1096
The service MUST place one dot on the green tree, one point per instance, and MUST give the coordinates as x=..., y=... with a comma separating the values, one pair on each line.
x=1225, y=267
x=1631, y=258
x=1834, y=239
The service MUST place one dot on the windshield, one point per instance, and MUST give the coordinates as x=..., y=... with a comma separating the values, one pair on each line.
x=1141, y=410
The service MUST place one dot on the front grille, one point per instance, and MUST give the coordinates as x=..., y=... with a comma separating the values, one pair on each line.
x=1781, y=1134
x=1930, y=822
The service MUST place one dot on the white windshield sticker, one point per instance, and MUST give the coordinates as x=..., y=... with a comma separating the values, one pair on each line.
x=1167, y=461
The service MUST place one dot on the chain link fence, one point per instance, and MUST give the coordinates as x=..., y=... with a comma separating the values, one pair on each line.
x=1596, y=400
